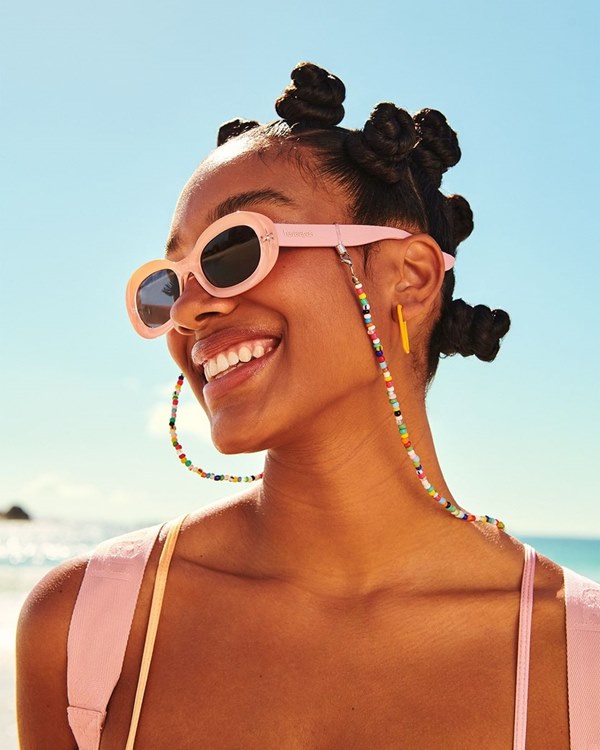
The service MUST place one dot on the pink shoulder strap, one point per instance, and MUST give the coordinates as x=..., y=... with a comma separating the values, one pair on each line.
x=524, y=648
x=96, y=643
x=582, y=599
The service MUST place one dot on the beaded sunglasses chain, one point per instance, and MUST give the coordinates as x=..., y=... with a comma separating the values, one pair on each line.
x=371, y=330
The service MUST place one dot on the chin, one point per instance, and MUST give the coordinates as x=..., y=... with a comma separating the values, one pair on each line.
x=232, y=436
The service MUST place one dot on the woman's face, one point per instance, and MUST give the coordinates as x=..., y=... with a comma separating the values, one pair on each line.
x=304, y=315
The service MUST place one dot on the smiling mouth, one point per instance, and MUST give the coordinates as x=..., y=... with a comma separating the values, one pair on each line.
x=234, y=357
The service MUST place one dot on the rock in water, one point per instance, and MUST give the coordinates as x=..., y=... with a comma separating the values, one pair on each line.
x=16, y=513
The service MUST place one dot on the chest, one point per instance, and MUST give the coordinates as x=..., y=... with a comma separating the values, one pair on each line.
x=264, y=670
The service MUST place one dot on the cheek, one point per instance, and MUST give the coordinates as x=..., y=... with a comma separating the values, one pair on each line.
x=331, y=351
x=344, y=348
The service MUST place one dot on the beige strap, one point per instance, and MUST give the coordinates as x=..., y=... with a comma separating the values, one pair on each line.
x=157, y=600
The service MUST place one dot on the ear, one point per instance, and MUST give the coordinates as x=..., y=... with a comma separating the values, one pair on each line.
x=420, y=275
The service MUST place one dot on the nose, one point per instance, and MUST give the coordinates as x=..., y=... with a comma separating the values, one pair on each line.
x=195, y=305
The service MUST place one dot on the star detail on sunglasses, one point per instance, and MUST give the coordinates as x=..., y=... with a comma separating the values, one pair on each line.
x=233, y=255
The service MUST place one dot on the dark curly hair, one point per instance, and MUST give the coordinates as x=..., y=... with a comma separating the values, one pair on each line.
x=391, y=171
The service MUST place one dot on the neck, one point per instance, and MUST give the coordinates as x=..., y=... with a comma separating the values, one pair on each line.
x=341, y=510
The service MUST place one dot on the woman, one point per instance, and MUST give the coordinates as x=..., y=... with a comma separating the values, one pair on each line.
x=335, y=603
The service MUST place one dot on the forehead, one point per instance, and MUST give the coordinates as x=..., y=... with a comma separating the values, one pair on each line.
x=237, y=175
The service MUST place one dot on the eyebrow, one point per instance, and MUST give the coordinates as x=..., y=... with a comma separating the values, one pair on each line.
x=242, y=200
x=230, y=205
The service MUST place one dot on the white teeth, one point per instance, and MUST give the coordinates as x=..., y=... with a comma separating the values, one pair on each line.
x=223, y=362
x=245, y=354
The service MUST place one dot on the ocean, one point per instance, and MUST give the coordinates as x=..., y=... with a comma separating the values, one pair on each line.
x=29, y=549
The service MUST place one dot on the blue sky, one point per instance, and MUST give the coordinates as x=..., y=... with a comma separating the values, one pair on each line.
x=107, y=108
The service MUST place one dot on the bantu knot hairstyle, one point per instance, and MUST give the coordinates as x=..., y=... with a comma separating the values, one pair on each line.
x=438, y=148
x=381, y=148
x=391, y=171
x=460, y=218
x=313, y=99
x=468, y=330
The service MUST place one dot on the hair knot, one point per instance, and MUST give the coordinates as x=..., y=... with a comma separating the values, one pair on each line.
x=313, y=99
x=468, y=330
x=438, y=148
x=460, y=218
x=383, y=145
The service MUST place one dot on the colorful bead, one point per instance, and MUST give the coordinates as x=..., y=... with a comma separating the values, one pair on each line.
x=372, y=333
x=402, y=429
x=184, y=459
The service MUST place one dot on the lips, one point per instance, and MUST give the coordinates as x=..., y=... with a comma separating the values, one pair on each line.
x=221, y=353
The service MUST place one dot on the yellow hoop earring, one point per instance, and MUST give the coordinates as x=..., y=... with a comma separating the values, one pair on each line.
x=403, y=330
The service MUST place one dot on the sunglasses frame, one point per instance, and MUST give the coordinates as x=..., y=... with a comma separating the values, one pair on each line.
x=271, y=237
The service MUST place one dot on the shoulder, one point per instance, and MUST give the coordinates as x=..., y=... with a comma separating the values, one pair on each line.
x=221, y=536
x=582, y=590
x=49, y=607
x=42, y=638
x=582, y=596
x=50, y=603
x=42, y=659
x=44, y=620
x=576, y=593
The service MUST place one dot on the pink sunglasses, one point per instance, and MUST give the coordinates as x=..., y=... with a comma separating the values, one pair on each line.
x=231, y=256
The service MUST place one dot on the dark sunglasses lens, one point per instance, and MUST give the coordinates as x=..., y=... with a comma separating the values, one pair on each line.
x=155, y=297
x=231, y=257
